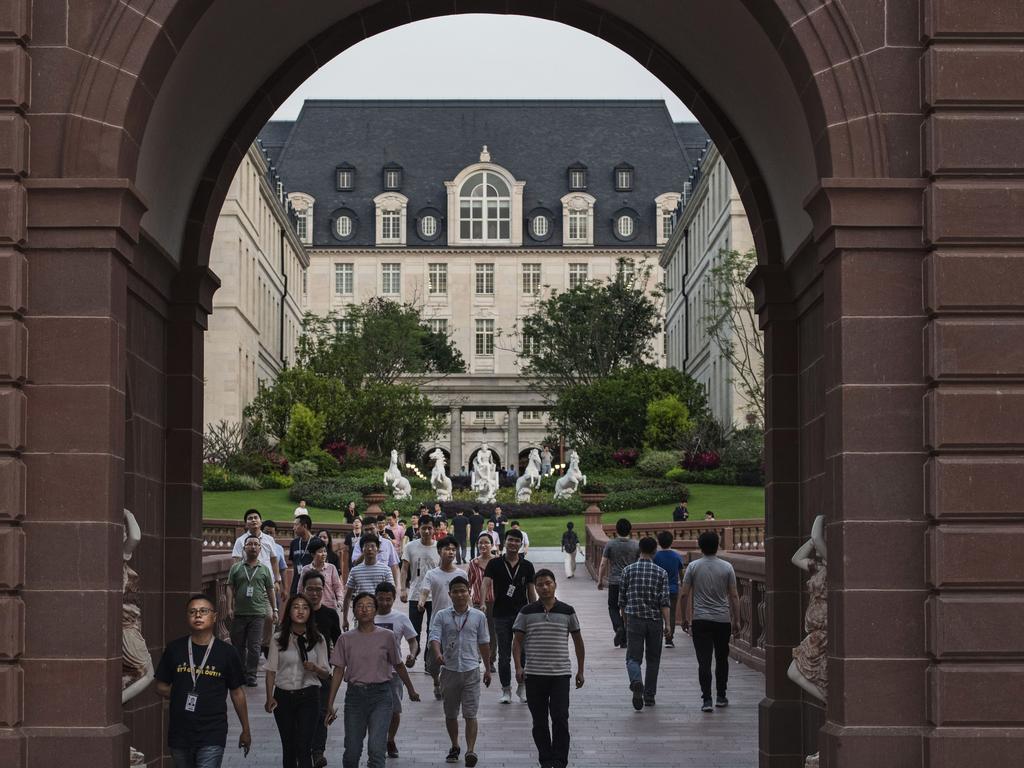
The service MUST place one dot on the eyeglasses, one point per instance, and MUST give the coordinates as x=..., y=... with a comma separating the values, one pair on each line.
x=200, y=611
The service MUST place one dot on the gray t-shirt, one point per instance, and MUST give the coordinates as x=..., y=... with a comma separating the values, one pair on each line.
x=710, y=578
x=620, y=553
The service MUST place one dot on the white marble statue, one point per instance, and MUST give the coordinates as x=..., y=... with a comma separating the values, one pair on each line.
x=439, y=480
x=570, y=482
x=137, y=665
x=401, y=488
x=484, y=478
x=809, y=668
x=530, y=478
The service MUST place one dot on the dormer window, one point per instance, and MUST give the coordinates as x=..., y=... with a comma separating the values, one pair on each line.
x=303, y=205
x=666, y=205
x=578, y=219
x=391, y=218
x=485, y=207
x=345, y=178
x=624, y=177
x=577, y=177
x=392, y=177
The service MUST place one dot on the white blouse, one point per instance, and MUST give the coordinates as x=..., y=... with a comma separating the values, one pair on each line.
x=287, y=664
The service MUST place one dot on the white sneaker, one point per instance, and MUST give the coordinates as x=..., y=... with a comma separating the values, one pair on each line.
x=506, y=696
x=521, y=692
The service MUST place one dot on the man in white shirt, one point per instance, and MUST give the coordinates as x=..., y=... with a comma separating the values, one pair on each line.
x=386, y=551
x=301, y=509
x=418, y=557
x=268, y=556
x=401, y=626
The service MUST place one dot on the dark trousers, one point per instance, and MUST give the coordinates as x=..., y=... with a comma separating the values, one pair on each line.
x=246, y=634
x=643, y=642
x=473, y=537
x=712, y=637
x=460, y=551
x=503, y=629
x=295, y=715
x=547, y=696
x=320, y=731
x=416, y=617
x=613, y=607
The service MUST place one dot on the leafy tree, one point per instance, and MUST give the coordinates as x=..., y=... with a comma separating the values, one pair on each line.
x=668, y=422
x=271, y=409
x=731, y=323
x=305, y=433
x=593, y=331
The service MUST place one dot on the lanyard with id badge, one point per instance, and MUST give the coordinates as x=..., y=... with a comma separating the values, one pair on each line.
x=511, y=577
x=249, y=589
x=192, y=698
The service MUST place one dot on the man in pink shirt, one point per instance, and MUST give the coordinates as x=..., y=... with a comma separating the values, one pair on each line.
x=365, y=658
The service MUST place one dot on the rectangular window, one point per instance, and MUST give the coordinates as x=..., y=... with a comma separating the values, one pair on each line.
x=578, y=225
x=439, y=325
x=391, y=226
x=577, y=275
x=305, y=283
x=483, y=416
x=301, y=226
x=438, y=276
x=391, y=278
x=343, y=326
x=485, y=337
x=623, y=180
x=485, y=279
x=577, y=178
x=531, y=278
x=392, y=179
x=531, y=415
x=343, y=275
x=626, y=269
x=667, y=224
x=530, y=344
x=280, y=191
x=345, y=179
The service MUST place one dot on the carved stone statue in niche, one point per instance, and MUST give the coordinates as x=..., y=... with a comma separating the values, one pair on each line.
x=809, y=667
x=137, y=665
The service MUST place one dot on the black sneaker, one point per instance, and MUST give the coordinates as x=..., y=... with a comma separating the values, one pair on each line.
x=453, y=755
x=648, y=702
x=669, y=643
x=392, y=749
x=706, y=706
x=721, y=701
x=638, y=695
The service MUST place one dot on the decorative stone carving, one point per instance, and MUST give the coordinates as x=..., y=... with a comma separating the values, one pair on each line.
x=530, y=478
x=439, y=480
x=136, y=665
x=809, y=667
x=570, y=482
x=401, y=488
x=484, y=479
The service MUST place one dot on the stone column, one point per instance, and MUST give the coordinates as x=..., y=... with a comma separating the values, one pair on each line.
x=456, y=433
x=512, y=452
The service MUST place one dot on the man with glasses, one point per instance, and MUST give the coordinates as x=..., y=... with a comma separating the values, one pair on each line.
x=197, y=672
x=329, y=626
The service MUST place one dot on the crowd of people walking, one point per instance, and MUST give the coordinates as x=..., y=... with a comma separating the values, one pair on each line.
x=476, y=606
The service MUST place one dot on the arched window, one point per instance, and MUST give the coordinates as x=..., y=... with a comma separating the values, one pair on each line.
x=485, y=208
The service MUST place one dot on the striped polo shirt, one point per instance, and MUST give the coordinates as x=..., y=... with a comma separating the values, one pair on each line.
x=545, y=637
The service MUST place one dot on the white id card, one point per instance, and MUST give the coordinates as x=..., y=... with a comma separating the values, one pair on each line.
x=248, y=591
x=511, y=590
x=190, y=702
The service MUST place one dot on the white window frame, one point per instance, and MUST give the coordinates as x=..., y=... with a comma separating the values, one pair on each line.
x=623, y=179
x=454, y=190
x=303, y=205
x=665, y=204
x=394, y=205
x=531, y=278
x=625, y=225
x=344, y=279
x=577, y=179
x=579, y=273
x=343, y=325
x=392, y=179
x=483, y=416
x=344, y=179
x=430, y=231
x=540, y=231
x=438, y=325
x=484, y=279
x=437, y=279
x=338, y=224
x=390, y=279
x=577, y=206
x=531, y=414
x=483, y=337
x=530, y=344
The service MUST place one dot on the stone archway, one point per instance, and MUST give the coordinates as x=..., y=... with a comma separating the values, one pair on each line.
x=868, y=227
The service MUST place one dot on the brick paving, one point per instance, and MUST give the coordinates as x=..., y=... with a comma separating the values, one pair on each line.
x=606, y=731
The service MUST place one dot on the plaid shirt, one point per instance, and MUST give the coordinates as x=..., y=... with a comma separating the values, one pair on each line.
x=643, y=590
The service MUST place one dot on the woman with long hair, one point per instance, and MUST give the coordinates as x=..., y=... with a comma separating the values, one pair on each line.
x=298, y=662
x=350, y=513
x=477, y=566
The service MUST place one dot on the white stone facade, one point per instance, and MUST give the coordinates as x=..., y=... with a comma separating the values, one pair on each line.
x=257, y=312
x=712, y=221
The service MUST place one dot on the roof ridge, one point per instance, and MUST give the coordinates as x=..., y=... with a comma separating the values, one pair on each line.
x=481, y=103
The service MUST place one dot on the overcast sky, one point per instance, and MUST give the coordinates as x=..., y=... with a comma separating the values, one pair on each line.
x=483, y=57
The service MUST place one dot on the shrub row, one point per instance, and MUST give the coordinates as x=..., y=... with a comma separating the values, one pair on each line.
x=720, y=476
x=216, y=478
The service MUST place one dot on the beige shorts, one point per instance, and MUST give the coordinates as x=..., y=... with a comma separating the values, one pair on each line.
x=460, y=689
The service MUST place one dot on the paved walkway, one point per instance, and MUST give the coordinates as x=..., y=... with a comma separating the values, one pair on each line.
x=606, y=731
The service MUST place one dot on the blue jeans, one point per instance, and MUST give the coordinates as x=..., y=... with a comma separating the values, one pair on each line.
x=644, y=638
x=367, y=715
x=197, y=757
x=503, y=630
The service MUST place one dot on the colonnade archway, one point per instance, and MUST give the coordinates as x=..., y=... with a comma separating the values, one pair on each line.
x=875, y=149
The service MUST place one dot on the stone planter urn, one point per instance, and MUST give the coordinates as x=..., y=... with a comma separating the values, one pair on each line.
x=373, y=502
x=592, y=514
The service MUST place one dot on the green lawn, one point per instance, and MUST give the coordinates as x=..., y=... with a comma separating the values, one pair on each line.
x=727, y=502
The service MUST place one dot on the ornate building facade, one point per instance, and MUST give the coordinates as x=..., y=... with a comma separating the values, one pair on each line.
x=711, y=220
x=257, y=311
x=472, y=211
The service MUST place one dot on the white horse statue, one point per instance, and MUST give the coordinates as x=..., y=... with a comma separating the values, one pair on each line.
x=401, y=488
x=570, y=482
x=485, y=476
x=530, y=478
x=439, y=480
